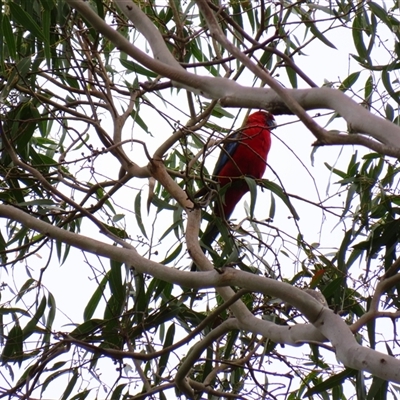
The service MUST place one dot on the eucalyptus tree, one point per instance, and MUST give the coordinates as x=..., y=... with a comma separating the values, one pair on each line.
x=113, y=113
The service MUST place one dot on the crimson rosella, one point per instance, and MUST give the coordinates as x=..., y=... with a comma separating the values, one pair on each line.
x=244, y=153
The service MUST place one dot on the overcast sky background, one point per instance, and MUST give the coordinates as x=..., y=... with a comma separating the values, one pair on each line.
x=74, y=282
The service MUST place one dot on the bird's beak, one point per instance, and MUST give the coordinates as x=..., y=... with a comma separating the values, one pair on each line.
x=272, y=123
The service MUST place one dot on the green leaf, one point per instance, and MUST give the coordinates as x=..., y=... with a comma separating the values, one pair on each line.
x=355, y=254
x=138, y=214
x=336, y=171
x=136, y=117
x=389, y=111
x=277, y=190
x=231, y=343
x=327, y=10
x=344, y=247
x=135, y=67
x=26, y=287
x=95, y=299
x=349, y=81
x=9, y=36
x=357, y=32
x=200, y=56
x=246, y=5
x=116, y=394
x=218, y=111
x=57, y=365
x=335, y=380
x=73, y=82
x=88, y=327
x=48, y=4
x=31, y=325
x=371, y=325
x=272, y=207
x=383, y=15
x=5, y=311
x=156, y=288
x=360, y=386
x=51, y=378
x=169, y=340
x=13, y=349
x=378, y=389
x=117, y=287
x=51, y=304
x=121, y=233
x=23, y=67
x=26, y=20
x=178, y=225
x=236, y=14
x=292, y=75
x=388, y=85
x=332, y=287
x=173, y=255
x=100, y=8
x=37, y=202
x=81, y=395
x=118, y=217
x=368, y=88
x=142, y=298
x=3, y=255
x=46, y=23
x=266, y=59
x=100, y=193
x=171, y=228
x=251, y=183
x=316, y=32
x=71, y=384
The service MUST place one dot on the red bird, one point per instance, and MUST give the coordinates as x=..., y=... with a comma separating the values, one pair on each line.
x=244, y=153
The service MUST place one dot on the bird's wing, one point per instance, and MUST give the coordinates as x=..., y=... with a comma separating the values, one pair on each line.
x=228, y=150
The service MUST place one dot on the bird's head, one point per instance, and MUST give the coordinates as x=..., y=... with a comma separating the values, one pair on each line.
x=262, y=118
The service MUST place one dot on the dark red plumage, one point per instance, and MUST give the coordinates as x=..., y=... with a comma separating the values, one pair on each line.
x=243, y=154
